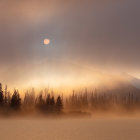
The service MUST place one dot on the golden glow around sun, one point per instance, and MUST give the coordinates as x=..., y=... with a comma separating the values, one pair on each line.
x=46, y=41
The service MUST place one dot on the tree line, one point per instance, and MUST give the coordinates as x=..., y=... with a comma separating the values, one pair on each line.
x=94, y=101
x=49, y=103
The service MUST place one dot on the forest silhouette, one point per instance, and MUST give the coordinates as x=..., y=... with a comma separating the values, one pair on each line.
x=49, y=103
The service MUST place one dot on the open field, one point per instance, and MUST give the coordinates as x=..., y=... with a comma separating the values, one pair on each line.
x=70, y=129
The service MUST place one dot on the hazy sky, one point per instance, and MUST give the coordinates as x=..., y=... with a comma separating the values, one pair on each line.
x=100, y=35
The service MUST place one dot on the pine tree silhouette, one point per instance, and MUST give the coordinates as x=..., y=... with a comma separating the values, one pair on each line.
x=59, y=104
x=40, y=102
x=16, y=100
x=52, y=104
x=1, y=95
x=48, y=103
x=5, y=96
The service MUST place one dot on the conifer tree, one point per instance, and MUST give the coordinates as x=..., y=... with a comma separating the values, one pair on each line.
x=16, y=100
x=1, y=95
x=59, y=104
x=52, y=104
x=48, y=103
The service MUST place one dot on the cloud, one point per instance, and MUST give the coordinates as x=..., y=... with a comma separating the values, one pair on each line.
x=104, y=35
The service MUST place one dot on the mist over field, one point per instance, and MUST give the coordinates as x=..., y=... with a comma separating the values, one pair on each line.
x=70, y=129
x=69, y=70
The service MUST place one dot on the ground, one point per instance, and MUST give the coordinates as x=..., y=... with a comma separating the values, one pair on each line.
x=69, y=129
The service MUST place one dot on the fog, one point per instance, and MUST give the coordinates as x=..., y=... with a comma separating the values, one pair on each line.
x=70, y=129
x=97, y=34
x=72, y=88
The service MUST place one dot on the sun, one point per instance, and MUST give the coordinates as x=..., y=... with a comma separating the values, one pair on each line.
x=46, y=41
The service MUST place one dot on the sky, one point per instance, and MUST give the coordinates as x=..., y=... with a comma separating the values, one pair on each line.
x=86, y=37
